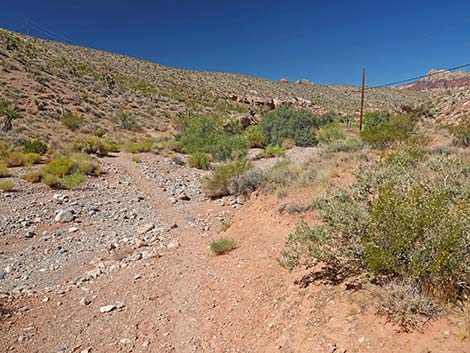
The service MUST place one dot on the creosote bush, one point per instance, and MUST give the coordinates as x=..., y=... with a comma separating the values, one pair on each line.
x=330, y=133
x=254, y=136
x=461, y=134
x=222, y=140
x=218, y=182
x=91, y=145
x=406, y=218
x=222, y=245
x=383, y=130
x=283, y=123
x=72, y=121
x=272, y=151
x=200, y=160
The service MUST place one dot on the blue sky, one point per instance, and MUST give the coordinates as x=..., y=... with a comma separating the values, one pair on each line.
x=322, y=41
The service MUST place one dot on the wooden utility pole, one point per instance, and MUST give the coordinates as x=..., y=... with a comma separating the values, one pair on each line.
x=27, y=26
x=362, y=98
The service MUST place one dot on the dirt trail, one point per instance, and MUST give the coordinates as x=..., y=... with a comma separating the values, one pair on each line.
x=187, y=300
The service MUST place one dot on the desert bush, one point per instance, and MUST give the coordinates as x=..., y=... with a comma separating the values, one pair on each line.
x=72, y=121
x=461, y=135
x=222, y=245
x=246, y=183
x=217, y=184
x=91, y=145
x=15, y=159
x=272, y=151
x=136, y=159
x=406, y=218
x=403, y=304
x=72, y=180
x=127, y=121
x=60, y=166
x=254, y=136
x=287, y=173
x=4, y=171
x=100, y=132
x=86, y=165
x=330, y=133
x=33, y=177
x=383, y=130
x=52, y=181
x=35, y=146
x=207, y=135
x=7, y=185
x=139, y=147
x=32, y=158
x=200, y=160
x=283, y=123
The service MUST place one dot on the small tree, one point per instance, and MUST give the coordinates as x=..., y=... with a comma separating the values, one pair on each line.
x=9, y=113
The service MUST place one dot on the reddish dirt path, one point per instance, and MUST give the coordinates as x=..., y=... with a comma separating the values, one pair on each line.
x=190, y=301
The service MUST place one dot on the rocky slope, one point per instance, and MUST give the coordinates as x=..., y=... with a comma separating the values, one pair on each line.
x=45, y=79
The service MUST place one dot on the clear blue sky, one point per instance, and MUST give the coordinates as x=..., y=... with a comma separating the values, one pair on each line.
x=323, y=41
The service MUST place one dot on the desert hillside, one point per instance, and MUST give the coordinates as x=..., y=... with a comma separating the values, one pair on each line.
x=150, y=209
x=45, y=80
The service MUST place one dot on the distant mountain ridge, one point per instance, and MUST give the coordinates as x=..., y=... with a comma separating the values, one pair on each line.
x=442, y=79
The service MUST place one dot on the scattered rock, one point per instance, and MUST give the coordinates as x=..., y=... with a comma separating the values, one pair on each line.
x=65, y=216
x=107, y=308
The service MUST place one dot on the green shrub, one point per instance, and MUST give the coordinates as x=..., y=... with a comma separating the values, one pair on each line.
x=283, y=123
x=86, y=165
x=461, y=135
x=35, y=146
x=72, y=180
x=247, y=182
x=330, y=133
x=100, y=132
x=15, y=159
x=52, y=181
x=382, y=131
x=72, y=121
x=127, y=121
x=138, y=147
x=254, y=136
x=223, y=245
x=7, y=185
x=207, y=135
x=60, y=166
x=33, y=177
x=200, y=160
x=272, y=151
x=32, y=158
x=91, y=145
x=217, y=184
x=4, y=171
x=407, y=218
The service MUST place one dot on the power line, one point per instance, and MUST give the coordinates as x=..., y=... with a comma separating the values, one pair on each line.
x=50, y=33
x=419, y=77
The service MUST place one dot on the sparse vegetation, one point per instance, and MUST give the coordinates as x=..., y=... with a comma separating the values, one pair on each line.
x=223, y=245
x=91, y=145
x=7, y=185
x=127, y=121
x=461, y=134
x=35, y=146
x=330, y=133
x=405, y=219
x=208, y=135
x=217, y=184
x=4, y=171
x=72, y=121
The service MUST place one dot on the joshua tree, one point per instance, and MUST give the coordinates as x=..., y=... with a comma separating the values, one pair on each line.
x=9, y=113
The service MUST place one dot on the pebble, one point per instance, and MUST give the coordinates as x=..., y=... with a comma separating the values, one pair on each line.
x=64, y=216
x=107, y=308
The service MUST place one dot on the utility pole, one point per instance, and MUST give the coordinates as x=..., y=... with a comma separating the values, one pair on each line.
x=362, y=98
x=27, y=26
